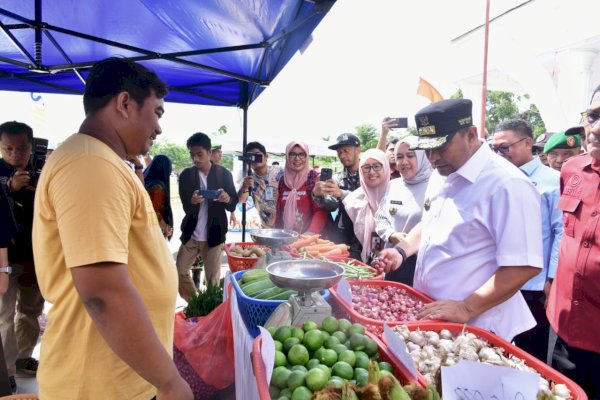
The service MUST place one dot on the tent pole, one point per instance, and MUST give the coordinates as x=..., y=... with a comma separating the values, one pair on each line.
x=244, y=142
x=485, y=61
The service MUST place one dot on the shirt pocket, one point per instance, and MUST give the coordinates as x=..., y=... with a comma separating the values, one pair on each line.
x=569, y=206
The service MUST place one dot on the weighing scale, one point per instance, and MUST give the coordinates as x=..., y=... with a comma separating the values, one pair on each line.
x=307, y=277
x=274, y=238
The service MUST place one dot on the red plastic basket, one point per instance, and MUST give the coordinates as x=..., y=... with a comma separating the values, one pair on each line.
x=542, y=368
x=344, y=310
x=240, y=263
x=260, y=373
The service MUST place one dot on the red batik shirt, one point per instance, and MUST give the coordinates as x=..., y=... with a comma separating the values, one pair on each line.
x=574, y=303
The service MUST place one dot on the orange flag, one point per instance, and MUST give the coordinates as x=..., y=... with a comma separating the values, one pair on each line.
x=425, y=89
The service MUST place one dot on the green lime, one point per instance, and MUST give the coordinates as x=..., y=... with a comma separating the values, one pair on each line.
x=361, y=376
x=280, y=377
x=348, y=356
x=342, y=369
x=329, y=324
x=274, y=392
x=385, y=373
x=385, y=366
x=309, y=326
x=299, y=368
x=338, y=348
x=280, y=359
x=344, y=325
x=301, y=393
x=330, y=342
x=370, y=346
x=282, y=333
x=298, y=355
x=313, y=339
x=325, y=335
x=317, y=354
x=362, y=360
x=355, y=328
x=312, y=363
x=341, y=336
x=285, y=392
x=278, y=345
x=272, y=332
x=316, y=379
x=296, y=378
x=357, y=341
x=328, y=357
x=335, y=381
x=298, y=333
x=360, y=354
x=283, y=397
x=325, y=369
x=289, y=342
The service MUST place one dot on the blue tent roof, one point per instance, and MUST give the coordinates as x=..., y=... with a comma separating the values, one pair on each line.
x=213, y=52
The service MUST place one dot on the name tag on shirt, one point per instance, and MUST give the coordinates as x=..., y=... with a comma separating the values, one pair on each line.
x=269, y=195
x=398, y=202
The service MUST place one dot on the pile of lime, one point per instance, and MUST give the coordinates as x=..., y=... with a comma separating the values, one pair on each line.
x=309, y=358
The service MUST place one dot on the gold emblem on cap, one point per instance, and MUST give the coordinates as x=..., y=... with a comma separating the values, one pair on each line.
x=571, y=141
x=465, y=121
x=427, y=131
x=424, y=120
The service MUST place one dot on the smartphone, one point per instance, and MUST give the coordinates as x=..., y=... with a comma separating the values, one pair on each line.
x=326, y=173
x=399, y=123
x=209, y=194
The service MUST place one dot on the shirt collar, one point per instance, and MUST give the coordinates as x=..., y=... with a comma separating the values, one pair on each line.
x=474, y=165
x=529, y=167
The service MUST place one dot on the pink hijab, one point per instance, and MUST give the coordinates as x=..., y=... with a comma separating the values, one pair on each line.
x=293, y=180
x=362, y=204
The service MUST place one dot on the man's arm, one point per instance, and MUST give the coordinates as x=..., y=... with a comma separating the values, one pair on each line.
x=385, y=129
x=391, y=259
x=120, y=316
x=499, y=288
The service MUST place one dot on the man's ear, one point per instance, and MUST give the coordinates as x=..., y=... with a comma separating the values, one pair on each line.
x=124, y=103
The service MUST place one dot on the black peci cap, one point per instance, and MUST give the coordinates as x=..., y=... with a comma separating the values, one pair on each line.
x=438, y=120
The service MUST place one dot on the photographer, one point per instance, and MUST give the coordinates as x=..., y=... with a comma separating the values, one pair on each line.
x=20, y=337
x=262, y=184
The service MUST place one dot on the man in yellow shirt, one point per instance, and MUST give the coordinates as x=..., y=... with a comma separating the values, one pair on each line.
x=106, y=268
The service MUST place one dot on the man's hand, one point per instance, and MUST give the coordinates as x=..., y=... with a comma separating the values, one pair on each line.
x=223, y=196
x=247, y=183
x=446, y=310
x=19, y=180
x=329, y=187
x=547, y=288
x=196, y=198
x=179, y=389
x=318, y=189
x=398, y=238
x=386, y=125
x=388, y=260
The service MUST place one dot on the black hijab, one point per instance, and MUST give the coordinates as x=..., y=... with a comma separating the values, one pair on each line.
x=159, y=173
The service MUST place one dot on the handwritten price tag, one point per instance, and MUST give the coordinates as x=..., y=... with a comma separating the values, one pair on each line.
x=479, y=381
x=343, y=289
x=398, y=348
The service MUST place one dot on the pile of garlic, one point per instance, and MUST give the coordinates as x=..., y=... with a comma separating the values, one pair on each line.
x=430, y=350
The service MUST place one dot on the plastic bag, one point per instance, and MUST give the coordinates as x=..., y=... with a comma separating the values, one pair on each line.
x=207, y=344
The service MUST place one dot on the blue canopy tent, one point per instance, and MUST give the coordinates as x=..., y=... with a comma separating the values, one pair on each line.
x=211, y=52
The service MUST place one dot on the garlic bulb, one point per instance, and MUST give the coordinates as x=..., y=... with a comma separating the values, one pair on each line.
x=446, y=334
x=446, y=344
x=417, y=337
x=561, y=390
x=488, y=355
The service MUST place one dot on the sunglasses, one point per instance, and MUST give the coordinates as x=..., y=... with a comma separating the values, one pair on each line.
x=505, y=148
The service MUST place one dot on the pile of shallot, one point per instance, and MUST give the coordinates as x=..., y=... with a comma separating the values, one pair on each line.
x=385, y=303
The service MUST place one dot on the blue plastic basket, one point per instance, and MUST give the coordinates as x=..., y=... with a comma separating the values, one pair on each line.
x=256, y=312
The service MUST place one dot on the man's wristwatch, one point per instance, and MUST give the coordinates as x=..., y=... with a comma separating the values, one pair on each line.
x=7, y=269
x=402, y=252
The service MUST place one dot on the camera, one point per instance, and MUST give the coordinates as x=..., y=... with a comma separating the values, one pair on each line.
x=251, y=158
x=399, y=123
x=37, y=159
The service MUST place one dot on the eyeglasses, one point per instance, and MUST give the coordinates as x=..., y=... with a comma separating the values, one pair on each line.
x=590, y=117
x=300, y=156
x=505, y=148
x=371, y=167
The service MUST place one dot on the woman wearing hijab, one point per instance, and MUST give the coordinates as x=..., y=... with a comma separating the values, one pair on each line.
x=402, y=207
x=157, y=183
x=296, y=210
x=361, y=205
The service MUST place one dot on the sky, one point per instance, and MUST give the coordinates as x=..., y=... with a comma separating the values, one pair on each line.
x=363, y=64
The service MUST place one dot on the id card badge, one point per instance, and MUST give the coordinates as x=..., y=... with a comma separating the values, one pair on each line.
x=376, y=243
x=269, y=193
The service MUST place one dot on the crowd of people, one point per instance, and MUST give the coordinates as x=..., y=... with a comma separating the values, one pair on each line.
x=504, y=236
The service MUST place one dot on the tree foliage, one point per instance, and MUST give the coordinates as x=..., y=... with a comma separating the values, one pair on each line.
x=368, y=136
x=179, y=155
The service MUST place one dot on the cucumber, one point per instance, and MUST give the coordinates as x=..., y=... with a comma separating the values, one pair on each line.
x=257, y=286
x=283, y=295
x=268, y=293
x=245, y=285
x=254, y=274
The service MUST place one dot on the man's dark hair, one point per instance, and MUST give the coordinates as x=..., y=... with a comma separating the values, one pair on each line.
x=392, y=141
x=16, y=128
x=199, y=139
x=255, y=145
x=275, y=163
x=114, y=75
x=519, y=126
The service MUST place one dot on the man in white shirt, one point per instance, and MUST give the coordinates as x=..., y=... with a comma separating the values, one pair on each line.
x=474, y=250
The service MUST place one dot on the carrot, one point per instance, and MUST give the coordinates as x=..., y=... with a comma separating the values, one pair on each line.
x=336, y=251
x=320, y=247
x=304, y=242
x=323, y=241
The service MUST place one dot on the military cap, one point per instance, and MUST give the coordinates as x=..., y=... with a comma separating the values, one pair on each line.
x=216, y=147
x=541, y=140
x=439, y=120
x=345, y=139
x=561, y=140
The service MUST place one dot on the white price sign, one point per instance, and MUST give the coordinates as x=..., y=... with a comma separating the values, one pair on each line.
x=344, y=291
x=398, y=348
